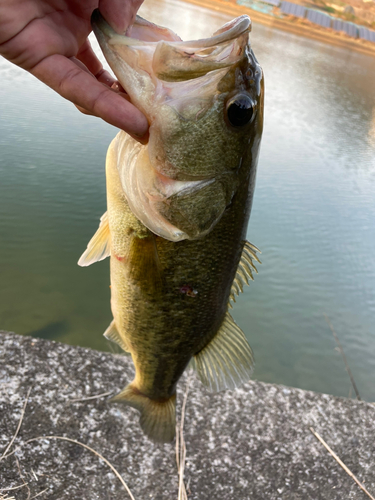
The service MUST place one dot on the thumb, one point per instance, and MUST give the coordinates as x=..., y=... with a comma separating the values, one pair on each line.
x=120, y=14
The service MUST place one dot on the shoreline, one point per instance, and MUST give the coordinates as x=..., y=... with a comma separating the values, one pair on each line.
x=307, y=31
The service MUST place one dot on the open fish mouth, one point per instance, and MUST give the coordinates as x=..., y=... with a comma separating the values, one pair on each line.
x=182, y=87
x=152, y=56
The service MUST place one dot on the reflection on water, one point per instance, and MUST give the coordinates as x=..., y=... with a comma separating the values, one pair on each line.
x=53, y=331
x=313, y=214
x=371, y=132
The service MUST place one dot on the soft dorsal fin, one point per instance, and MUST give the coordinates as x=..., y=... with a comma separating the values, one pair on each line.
x=113, y=335
x=244, y=270
x=227, y=361
x=98, y=247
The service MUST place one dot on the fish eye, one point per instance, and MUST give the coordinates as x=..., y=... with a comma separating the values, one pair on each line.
x=240, y=110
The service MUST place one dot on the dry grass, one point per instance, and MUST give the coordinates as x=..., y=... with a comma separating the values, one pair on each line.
x=11, y=489
x=180, y=454
x=180, y=450
x=181, y=446
x=341, y=350
x=5, y=497
x=18, y=427
x=97, y=396
x=340, y=462
x=22, y=479
x=62, y=438
x=38, y=494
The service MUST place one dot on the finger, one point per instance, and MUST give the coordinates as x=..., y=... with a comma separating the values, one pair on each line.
x=83, y=110
x=117, y=87
x=75, y=84
x=119, y=14
x=118, y=92
x=95, y=70
x=104, y=77
x=88, y=57
x=80, y=108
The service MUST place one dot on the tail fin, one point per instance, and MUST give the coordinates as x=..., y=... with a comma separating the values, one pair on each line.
x=158, y=418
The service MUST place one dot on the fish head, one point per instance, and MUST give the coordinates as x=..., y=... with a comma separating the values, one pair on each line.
x=204, y=103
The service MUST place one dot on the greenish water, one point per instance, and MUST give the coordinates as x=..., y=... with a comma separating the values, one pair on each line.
x=313, y=215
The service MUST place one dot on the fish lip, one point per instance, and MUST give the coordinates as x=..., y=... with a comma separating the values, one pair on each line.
x=99, y=23
x=241, y=25
x=102, y=28
x=140, y=64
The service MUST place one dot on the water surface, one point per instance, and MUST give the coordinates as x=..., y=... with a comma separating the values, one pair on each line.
x=313, y=214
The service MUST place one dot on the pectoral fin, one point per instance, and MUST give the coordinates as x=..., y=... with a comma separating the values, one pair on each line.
x=98, y=247
x=227, y=361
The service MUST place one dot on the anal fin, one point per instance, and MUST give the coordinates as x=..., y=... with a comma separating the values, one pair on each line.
x=113, y=335
x=227, y=361
x=98, y=247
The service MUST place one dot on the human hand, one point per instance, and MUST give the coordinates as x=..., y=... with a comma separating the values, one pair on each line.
x=48, y=38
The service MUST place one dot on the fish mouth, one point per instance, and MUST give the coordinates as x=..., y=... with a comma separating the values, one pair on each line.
x=145, y=31
x=148, y=56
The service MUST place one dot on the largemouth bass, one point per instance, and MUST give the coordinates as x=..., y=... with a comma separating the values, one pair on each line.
x=178, y=208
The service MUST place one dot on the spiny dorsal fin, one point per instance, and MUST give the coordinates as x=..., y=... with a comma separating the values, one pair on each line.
x=113, y=335
x=98, y=247
x=227, y=361
x=244, y=270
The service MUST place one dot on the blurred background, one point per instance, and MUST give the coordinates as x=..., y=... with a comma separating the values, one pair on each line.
x=313, y=214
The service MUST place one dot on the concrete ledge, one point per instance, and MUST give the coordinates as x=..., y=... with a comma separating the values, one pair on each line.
x=253, y=443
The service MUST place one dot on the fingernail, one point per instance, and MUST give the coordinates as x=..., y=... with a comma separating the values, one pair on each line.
x=143, y=139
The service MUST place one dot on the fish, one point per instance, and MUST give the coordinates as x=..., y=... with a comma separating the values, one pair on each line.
x=178, y=209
